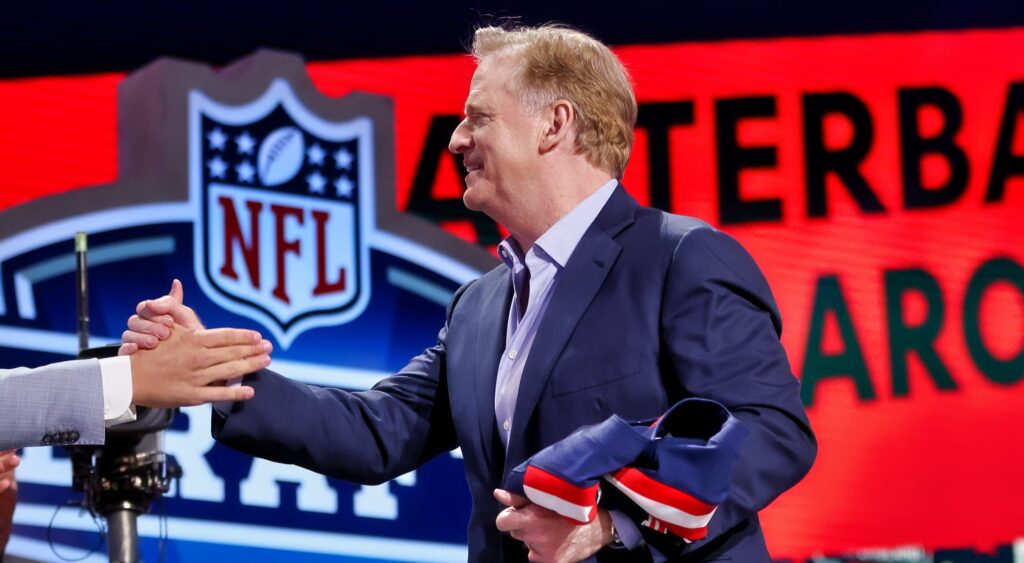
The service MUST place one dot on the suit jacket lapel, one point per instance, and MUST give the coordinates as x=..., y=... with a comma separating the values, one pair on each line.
x=578, y=284
x=490, y=344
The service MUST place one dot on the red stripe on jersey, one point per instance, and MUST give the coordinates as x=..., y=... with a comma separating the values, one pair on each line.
x=692, y=534
x=553, y=485
x=637, y=481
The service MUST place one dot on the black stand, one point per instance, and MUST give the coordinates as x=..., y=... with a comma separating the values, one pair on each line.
x=121, y=478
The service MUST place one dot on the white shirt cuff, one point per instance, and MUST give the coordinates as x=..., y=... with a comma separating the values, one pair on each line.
x=116, y=373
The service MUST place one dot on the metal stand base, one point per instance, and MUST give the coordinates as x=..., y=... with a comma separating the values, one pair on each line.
x=122, y=537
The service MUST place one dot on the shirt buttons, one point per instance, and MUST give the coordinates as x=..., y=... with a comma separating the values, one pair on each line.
x=506, y=425
x=512, y=354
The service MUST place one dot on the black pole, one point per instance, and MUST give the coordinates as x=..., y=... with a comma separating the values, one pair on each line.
x=82, y=291
x=122, y=536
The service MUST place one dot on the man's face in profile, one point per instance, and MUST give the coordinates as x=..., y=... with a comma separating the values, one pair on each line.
x=498, y=141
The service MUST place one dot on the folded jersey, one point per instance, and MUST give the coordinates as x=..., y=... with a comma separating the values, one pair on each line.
x=677, y=469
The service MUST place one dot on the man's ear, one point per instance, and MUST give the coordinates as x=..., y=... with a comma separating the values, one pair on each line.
x=560, y=120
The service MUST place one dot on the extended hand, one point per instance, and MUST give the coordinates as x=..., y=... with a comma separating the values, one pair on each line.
x=190, y=367
x=154, y=318
x=548, y=536
x=8, y=461
x=8, y=495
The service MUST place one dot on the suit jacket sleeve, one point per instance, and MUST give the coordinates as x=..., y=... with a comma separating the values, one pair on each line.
x=721, y=330
x=366, y=437
x=56, y=404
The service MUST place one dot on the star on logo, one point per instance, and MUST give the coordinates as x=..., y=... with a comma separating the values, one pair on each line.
x=343, y=158
x=316, y=154
x=343, y=187
x=245, y=171
x=245, y=143
x=217, y=167
x=316, y=182
x=217, y=139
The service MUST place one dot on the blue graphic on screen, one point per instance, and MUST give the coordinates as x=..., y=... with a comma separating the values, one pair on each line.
x=222, y=489
x=278, y=235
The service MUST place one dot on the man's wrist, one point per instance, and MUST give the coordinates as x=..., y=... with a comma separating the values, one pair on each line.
x=616, y=542
x=626, y=533
x=609, y=536
x=137, y=389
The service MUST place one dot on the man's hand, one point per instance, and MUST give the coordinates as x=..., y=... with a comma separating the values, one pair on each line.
x=548, y=536
x=190, y=367
x=8, y=495
x=154, y=319
x=8, y=461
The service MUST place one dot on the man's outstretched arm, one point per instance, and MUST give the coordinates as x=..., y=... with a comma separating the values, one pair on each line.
x=366, y=437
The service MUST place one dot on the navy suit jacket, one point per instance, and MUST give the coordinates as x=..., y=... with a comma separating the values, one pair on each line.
x=650, y=309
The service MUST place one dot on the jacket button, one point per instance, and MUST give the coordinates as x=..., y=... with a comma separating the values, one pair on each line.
x=74, y=436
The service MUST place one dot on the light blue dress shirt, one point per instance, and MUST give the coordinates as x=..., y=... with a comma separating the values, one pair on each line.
x=540, y=266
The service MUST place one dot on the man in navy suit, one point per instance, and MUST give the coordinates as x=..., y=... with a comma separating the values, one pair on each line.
x=601, y=307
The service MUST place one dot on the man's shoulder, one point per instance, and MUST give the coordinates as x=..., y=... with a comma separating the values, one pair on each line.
x=495, y=275
x=669, y=226
x=648, y=223
x=486, y=283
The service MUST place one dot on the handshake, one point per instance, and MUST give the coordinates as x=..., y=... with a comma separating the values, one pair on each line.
x=176, y=362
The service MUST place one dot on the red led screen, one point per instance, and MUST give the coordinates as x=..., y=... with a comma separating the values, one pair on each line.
x=879, y=182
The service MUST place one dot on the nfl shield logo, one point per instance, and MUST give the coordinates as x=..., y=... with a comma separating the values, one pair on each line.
x=283, y=200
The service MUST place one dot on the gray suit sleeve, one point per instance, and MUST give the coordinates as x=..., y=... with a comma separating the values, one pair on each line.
x=57, y=404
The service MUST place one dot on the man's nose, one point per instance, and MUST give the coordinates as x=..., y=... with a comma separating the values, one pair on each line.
x=460, y=139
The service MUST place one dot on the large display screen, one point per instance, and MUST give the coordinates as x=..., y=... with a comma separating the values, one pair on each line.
x=878, y=180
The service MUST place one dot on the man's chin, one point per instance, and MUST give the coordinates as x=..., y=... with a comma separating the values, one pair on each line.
x=471, y=201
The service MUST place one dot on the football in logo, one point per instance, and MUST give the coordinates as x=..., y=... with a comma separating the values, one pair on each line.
x=280, y=156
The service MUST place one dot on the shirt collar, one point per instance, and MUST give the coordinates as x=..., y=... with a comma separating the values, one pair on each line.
x=559, y=241
x=510, y=253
